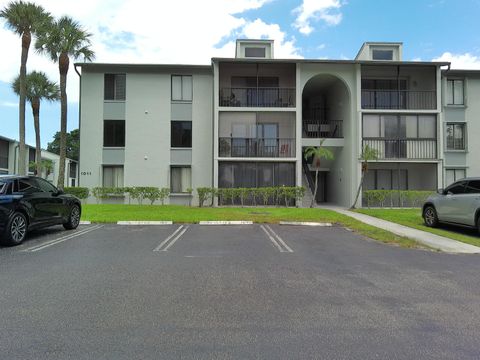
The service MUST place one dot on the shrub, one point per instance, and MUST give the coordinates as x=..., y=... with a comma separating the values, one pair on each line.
x=107, y=192
x=399, y=198
x=164, y=192
x=80, y=192
x=203, y=195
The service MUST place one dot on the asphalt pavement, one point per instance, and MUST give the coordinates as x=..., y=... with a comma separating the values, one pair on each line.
x=233, y=292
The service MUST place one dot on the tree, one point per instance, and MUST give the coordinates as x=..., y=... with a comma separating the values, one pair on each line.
x=25, y=19
x=368, y=154
x=38, y=88
x=317, y=153
x=64, y=38
x=72, y=144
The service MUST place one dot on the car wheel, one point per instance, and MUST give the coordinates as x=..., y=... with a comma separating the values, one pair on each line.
x=73, y=219
x=16, y=230
x=430, y=216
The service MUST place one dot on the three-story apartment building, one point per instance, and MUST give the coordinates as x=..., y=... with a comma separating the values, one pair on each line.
x=245, y=122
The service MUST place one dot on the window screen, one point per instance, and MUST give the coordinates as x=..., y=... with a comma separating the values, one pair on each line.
x=455, y=92
x=181, y=134
x=113, y=176
x=114, y=133
x=182, y=88
x=180, y=179
x=382, y=54
x=114, y=86
x=258, y=52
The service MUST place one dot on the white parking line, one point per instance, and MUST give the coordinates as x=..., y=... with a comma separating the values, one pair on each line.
x=276, y=239
x=61, y=239
x=165, y=244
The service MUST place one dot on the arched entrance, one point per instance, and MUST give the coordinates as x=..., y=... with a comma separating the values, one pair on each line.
x=326, y=112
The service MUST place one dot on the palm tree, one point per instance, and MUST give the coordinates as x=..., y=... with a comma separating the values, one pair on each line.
x=63, y=39
x=25, y=19
x=317, y=153
x=39, y=88
x=368, y=154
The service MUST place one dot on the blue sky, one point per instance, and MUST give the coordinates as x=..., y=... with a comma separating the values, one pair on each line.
x=141, y=31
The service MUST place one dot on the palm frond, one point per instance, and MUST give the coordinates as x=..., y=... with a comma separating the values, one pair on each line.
x=24, y=17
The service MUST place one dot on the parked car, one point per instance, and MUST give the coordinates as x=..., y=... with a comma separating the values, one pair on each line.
x=30, y=202
x=457, y=204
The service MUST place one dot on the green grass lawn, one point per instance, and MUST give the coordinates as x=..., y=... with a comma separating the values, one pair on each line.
x=413, y=218
x=106, y=213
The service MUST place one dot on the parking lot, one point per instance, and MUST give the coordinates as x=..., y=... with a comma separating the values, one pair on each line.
x=227, y=292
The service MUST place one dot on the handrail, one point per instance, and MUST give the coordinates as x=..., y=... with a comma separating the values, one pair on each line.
x=256, y=147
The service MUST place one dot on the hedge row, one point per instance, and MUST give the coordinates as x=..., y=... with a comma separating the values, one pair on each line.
x=395, y=198
x=280, y=195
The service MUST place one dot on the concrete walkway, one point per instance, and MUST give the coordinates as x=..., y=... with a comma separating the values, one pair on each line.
x=423, y=237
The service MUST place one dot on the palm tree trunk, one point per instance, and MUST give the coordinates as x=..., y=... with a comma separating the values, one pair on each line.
x=36, y=124
x=63, y=64
x=360, y=186
x=314, y=199
x=22, y=155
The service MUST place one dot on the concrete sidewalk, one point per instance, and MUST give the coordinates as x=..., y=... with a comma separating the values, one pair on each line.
x=423, y=237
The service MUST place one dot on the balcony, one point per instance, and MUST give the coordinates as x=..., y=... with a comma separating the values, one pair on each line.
x=257, y=147
x=399, y=99
x=399, y=87
x=315, y=128
x=411, y=149
x=265, y=85
x=257, y=97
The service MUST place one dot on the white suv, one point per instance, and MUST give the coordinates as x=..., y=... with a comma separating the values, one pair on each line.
x=457, y=204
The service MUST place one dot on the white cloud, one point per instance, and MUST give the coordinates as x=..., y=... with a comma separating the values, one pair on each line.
x=465, y=61
x=9, y=104
x=142, y=31
x=314, y=10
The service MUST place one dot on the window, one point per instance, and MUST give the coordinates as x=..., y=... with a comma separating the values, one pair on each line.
x=455, y=136
x=453, y=175
x=386, y=179
x=182, y=88
x=181, y=134
x=382, y=54
x=454, y=92
x=180, y=179
x=114, y=133
x=115, y=87
x=251, y=174
x=4, y=147
x=25, y=186
x=3, y=185
x=113, y=176
x=473, y=187
x=73, y=170
x=458, y=188
x=31, y=160
x=45, y=186
x=258, y=52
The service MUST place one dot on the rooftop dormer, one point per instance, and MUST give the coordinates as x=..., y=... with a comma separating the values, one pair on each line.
x=254, y=49
x=380, y=51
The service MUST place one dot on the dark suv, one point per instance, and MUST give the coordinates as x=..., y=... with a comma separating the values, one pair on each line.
x=29, y=202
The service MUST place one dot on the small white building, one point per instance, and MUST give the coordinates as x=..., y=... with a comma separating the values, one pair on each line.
x=9, y=149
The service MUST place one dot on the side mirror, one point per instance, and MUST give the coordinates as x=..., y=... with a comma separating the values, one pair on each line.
x=441, y=191
x=59, y=192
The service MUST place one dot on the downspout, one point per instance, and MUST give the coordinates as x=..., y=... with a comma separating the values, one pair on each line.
x=79, y=121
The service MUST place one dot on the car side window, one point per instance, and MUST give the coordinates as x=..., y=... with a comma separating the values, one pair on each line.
x=45, y=186
x=26, y=186
x=457, y=188
x=473, y=187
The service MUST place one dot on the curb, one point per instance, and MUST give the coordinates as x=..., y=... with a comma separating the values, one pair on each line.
x=305, y=223
x=144, y=222
x=226, y=222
